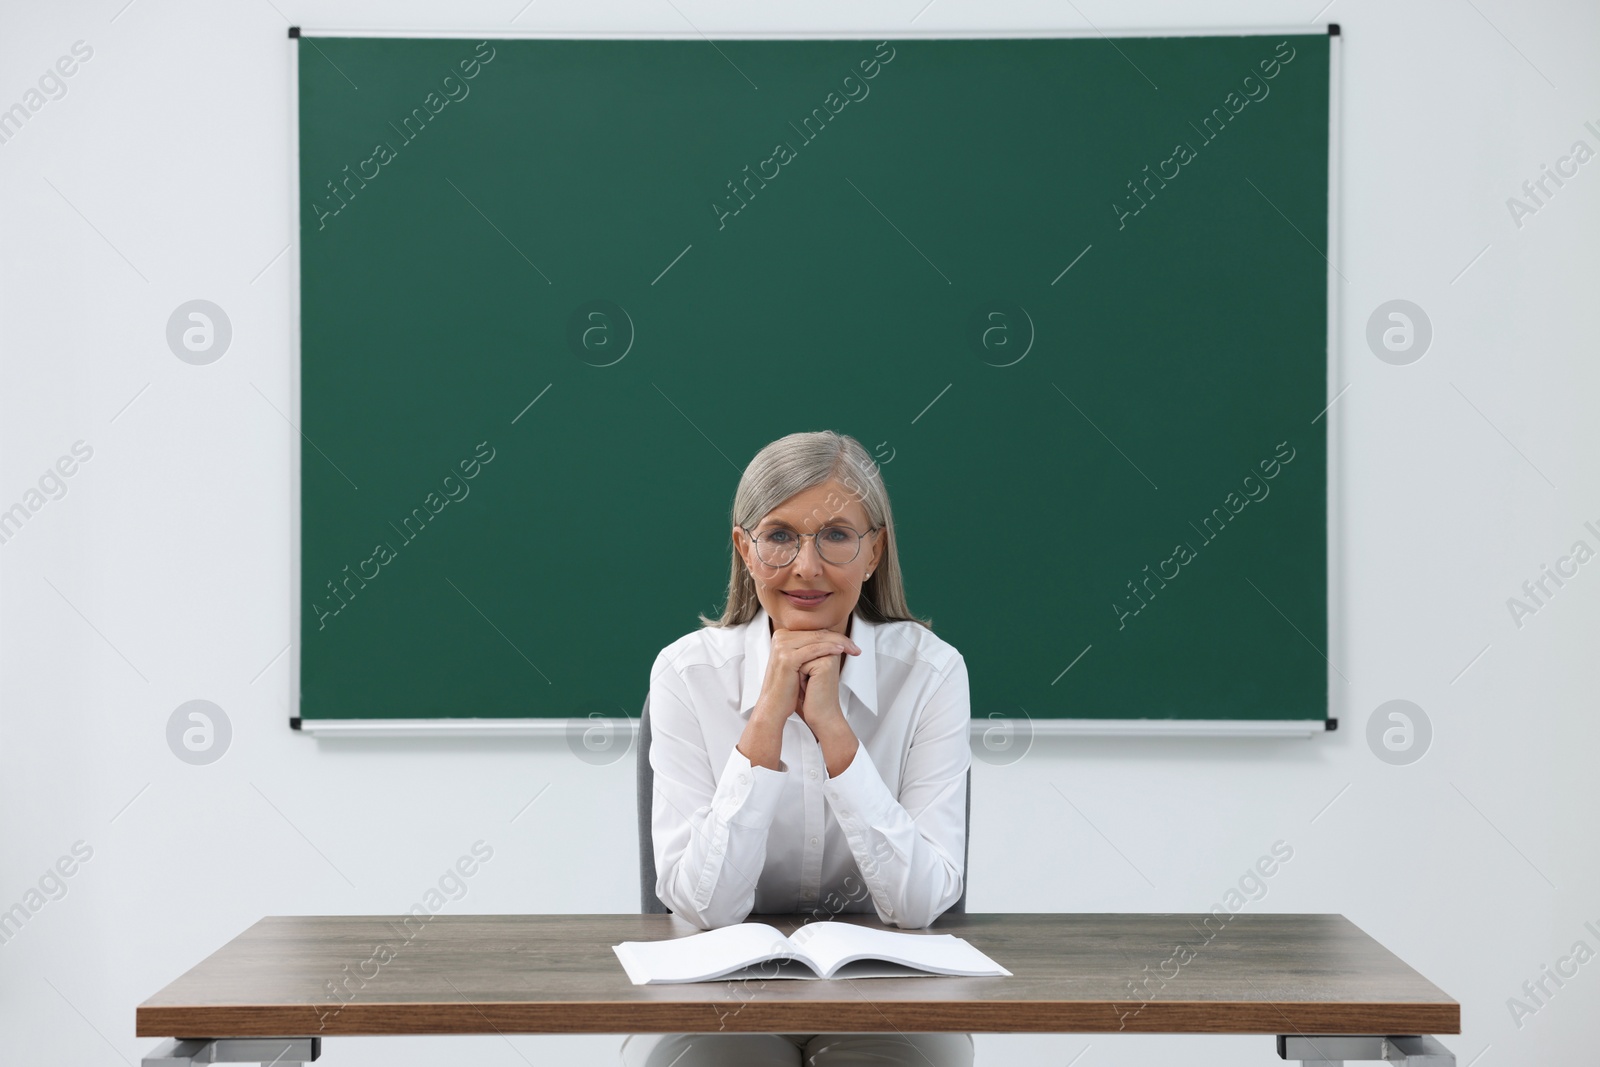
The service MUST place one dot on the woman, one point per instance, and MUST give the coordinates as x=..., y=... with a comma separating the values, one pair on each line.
x=810, y=746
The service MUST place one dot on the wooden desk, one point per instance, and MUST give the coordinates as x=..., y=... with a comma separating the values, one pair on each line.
x=326, y=976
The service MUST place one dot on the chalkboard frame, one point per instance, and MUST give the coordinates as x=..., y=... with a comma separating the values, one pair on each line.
x=1023, y=730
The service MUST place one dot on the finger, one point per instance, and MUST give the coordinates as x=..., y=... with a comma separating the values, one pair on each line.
x=799, y=638
x=819, y=652
x=828, y=646
x=824, y=667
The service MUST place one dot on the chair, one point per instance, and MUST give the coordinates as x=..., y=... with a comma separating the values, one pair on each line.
x=649, y=903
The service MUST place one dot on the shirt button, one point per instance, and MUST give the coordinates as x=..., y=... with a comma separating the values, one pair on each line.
x=810, y=894
x=813, y=840
x=743, y=779
x=844, y=815
x=813, y=773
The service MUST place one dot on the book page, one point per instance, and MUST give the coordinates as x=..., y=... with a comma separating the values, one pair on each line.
x=793, y=968
x=828, y=945
x=703, y=956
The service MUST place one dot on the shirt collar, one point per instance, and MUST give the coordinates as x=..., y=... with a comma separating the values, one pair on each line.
x=858, y=676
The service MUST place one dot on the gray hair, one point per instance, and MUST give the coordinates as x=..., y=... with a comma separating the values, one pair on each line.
x=792, y=465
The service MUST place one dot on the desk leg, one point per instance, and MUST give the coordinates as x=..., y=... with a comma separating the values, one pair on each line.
x=267, y=1051
x=1333, y=1049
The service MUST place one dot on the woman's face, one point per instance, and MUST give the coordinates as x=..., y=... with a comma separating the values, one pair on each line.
x=806, y=513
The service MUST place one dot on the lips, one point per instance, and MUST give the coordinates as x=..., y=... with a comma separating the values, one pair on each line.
x=804, y=601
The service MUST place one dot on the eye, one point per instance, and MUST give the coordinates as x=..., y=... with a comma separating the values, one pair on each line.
x=778, y=537
x=837, y=534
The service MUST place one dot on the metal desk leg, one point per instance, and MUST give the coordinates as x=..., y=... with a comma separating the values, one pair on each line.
x=267, y=1051
x=1333, y=1049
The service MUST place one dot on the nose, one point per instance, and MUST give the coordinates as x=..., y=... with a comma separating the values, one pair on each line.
x=808, y=561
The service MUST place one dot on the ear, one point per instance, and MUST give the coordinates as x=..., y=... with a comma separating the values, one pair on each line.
x=741, y=545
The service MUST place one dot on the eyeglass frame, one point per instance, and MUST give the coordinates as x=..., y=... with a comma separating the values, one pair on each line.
x=861, y=536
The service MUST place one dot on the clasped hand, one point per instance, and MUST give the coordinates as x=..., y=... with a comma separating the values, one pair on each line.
x=803, y=675
x=802, y=678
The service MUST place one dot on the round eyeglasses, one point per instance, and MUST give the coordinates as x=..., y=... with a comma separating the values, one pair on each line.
x=836, y=544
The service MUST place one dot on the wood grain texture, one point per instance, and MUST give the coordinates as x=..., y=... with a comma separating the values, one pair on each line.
x=1072, y=973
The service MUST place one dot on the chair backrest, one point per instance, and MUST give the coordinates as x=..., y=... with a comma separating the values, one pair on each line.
x=649, y=903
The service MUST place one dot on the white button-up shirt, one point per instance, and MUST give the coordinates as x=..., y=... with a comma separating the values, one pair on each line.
x=888, y=833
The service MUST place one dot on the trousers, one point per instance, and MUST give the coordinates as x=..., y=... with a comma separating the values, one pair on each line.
x=797, y=1050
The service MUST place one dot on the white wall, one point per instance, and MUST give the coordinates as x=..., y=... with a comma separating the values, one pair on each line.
x=164, y=573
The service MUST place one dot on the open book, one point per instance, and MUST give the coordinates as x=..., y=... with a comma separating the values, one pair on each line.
x=816, y=950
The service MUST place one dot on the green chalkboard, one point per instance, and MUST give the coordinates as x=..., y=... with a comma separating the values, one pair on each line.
x=1070, y=292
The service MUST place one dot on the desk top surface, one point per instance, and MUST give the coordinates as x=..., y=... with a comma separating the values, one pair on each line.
x=1071, y=973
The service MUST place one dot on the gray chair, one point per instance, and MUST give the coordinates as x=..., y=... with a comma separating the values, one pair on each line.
x=649, y=903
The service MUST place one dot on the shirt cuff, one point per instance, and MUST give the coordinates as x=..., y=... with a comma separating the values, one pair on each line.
x=749, y=791
x=858, y=795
